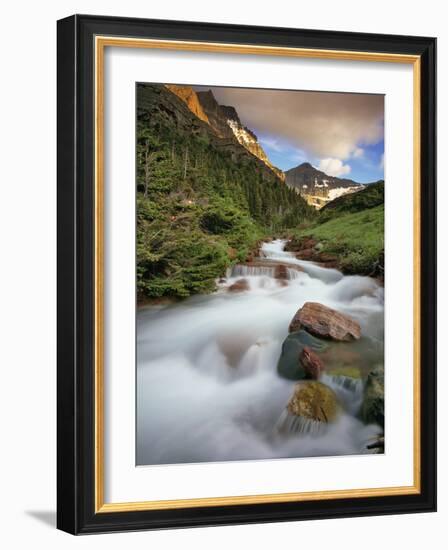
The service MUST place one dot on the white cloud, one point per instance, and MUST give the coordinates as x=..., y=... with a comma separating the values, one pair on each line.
x=334, y=167
x=323, y=124
x=358, y=153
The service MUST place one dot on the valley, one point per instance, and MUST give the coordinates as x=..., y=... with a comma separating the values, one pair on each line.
x=260, y=294
x=207, y=195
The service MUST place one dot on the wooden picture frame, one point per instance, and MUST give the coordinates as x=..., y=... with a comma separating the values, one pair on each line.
x=82, y=40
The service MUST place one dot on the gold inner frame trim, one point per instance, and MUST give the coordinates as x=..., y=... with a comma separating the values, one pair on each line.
x=101, y=42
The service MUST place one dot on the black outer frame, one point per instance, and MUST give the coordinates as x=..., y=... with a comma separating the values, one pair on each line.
x=75, y=298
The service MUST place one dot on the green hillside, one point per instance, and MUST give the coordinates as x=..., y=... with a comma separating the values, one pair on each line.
x=356, y=239
x=369, y=197
x=202, y=202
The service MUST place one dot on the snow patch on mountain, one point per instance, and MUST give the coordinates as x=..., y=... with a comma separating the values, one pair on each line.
x=339, y=191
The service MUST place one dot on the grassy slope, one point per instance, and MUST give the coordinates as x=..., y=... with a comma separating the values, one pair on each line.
x=371, y=196
x=357, y=239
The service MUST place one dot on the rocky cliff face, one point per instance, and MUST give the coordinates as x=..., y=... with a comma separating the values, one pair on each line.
x=217, y=114
x=317, y=187
x=250, y=141
x=177, y=105
x=190, y=98
x=225, y=121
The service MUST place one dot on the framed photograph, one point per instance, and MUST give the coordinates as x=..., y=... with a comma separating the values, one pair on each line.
x=246, y=274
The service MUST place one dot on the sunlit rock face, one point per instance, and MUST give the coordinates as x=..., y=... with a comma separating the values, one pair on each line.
x=190, y=98
x=250, y=141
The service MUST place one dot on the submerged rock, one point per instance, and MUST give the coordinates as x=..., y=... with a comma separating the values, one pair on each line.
x=325, y=322
x=376, y=446
x=311, y=363
x=281, y=272
x=239, y=286
x=372, y=409
x=346, y=372
x=315, y=401
x=289, y=364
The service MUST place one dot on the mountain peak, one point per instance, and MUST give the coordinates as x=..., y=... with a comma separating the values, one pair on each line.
x=230, y=113
x=318, y=187
x=190, y=98
x=208, y=101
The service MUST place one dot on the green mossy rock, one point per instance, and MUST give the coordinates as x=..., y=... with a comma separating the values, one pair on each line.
x=288, y=365
x=315, y=401
x=349, y=372
x=372, y=409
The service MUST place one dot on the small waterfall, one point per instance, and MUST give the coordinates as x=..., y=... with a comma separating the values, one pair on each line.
x=349, y=390
x=239, y=270
x=293, y=274
x=291, y=424
x=348, y=383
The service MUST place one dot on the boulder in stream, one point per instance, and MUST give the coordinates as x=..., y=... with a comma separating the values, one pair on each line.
x=314, y=401
x=372, y=409
x=239, y=286
x=289, y=365
x=325, y=322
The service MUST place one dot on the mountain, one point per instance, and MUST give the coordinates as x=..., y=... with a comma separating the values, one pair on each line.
x=223, y=119
x=208, y=122
x=317, y=187
x=203, y=200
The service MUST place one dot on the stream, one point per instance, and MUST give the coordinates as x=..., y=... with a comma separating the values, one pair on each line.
x=207, y=383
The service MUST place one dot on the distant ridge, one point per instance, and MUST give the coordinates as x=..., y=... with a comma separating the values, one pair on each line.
x=370, y=196
x=317, y=187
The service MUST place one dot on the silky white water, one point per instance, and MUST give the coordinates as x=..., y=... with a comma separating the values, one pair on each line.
x=207, y=384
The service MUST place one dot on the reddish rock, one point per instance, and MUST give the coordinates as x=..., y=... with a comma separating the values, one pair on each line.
x=327, y=260
x=239, y=286
x=281, y=271
x=301, y=244
x=308, y=242
x=322, y=258
x=324, y=322
x=307, y=254
x=311, y=363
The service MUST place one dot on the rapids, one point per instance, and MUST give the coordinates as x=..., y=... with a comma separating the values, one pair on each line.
x=207, y=384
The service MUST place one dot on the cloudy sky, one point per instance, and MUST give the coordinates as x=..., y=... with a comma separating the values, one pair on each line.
x=341, y=134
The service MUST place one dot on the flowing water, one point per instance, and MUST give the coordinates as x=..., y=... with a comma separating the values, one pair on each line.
x=207, y=384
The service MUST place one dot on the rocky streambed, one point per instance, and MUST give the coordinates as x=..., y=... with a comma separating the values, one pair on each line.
x=285, y=360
